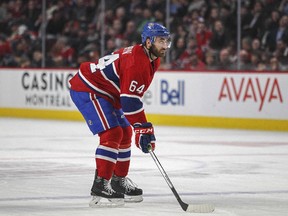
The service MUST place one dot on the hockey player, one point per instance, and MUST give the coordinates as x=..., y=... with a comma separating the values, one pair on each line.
x=108, y=93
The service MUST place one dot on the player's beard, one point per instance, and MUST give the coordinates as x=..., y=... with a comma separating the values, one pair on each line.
x=156, y=52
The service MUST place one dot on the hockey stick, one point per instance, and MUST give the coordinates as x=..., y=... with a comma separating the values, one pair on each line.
x=195, y=208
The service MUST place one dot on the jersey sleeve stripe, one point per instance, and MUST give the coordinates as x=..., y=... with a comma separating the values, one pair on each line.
x=115, y=70
x=135, y=112
x=107, y=73
x=131, y=104
x=131, y=96
x=93, y=87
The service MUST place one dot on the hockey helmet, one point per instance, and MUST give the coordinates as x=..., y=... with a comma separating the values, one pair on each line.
x=152, y=30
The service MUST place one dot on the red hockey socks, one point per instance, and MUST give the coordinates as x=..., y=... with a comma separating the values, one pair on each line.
x=123, y=161
x=107, y=152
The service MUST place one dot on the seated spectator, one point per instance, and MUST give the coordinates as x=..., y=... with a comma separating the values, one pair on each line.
x=283, y=7
x=4, y=46
x=220, y=37
x=281, y=52
x=213, y=17
x=265, y=58
x=256, y=46
x=24, y=62
x=245, y=61
x=178, y=49
x=203, y=36
x=254, y=22
x=62, y=54
x=110, y=46
x=210, y=61
x=273, y=20
x=255, y=60
x=275, y=65
x=228, y=18
x=147, y=17
x=279, y=33
x=36, y=59
x=56, y=24
x=32, y=12
x=159, y=17
x=131, y=34
x=225, y=62
x=191, y=23
x=194, y=63
x=184, y=55
x=262, y=66
x=246, y=44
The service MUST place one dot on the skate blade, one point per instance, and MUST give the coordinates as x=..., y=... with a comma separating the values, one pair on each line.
x=133, y=199
x=100, y=202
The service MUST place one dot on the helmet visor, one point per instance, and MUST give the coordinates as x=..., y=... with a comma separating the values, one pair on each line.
x=163, y=40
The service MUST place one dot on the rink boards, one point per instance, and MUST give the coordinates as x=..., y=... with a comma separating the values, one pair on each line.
x=254, y=100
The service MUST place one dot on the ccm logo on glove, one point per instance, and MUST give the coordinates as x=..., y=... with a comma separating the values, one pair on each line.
x=144, y=136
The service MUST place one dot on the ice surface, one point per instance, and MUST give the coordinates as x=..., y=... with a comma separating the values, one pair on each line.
x=47, y=168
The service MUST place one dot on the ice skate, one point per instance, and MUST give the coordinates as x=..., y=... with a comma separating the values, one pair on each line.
x=128, y=188
x=104, y=196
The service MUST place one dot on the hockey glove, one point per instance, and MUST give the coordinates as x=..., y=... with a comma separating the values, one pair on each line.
x=144, y=136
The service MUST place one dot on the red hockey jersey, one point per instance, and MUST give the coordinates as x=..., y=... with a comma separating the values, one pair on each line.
x=121, y=78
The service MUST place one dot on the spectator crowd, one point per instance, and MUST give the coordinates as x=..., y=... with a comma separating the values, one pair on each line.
x=204, y=32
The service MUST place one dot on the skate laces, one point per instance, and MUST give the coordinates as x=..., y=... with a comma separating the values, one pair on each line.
x=128, y=183
x=108, y=187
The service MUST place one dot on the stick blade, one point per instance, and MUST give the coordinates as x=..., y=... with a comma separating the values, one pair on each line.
x=200, y=208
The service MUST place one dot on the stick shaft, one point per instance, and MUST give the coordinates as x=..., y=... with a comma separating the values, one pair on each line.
x=184, y=206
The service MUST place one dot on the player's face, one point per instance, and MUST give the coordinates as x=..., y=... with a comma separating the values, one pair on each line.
x=160, y=46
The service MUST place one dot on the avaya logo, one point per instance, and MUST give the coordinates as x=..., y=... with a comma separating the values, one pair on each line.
x=251, y=89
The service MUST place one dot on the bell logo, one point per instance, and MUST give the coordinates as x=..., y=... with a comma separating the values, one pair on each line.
x=170, y=95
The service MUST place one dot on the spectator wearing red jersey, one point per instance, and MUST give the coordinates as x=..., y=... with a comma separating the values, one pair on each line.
x=203, y=35
x=62, y=53
x=183, y=58
x=194, y=63
x=4, y=46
